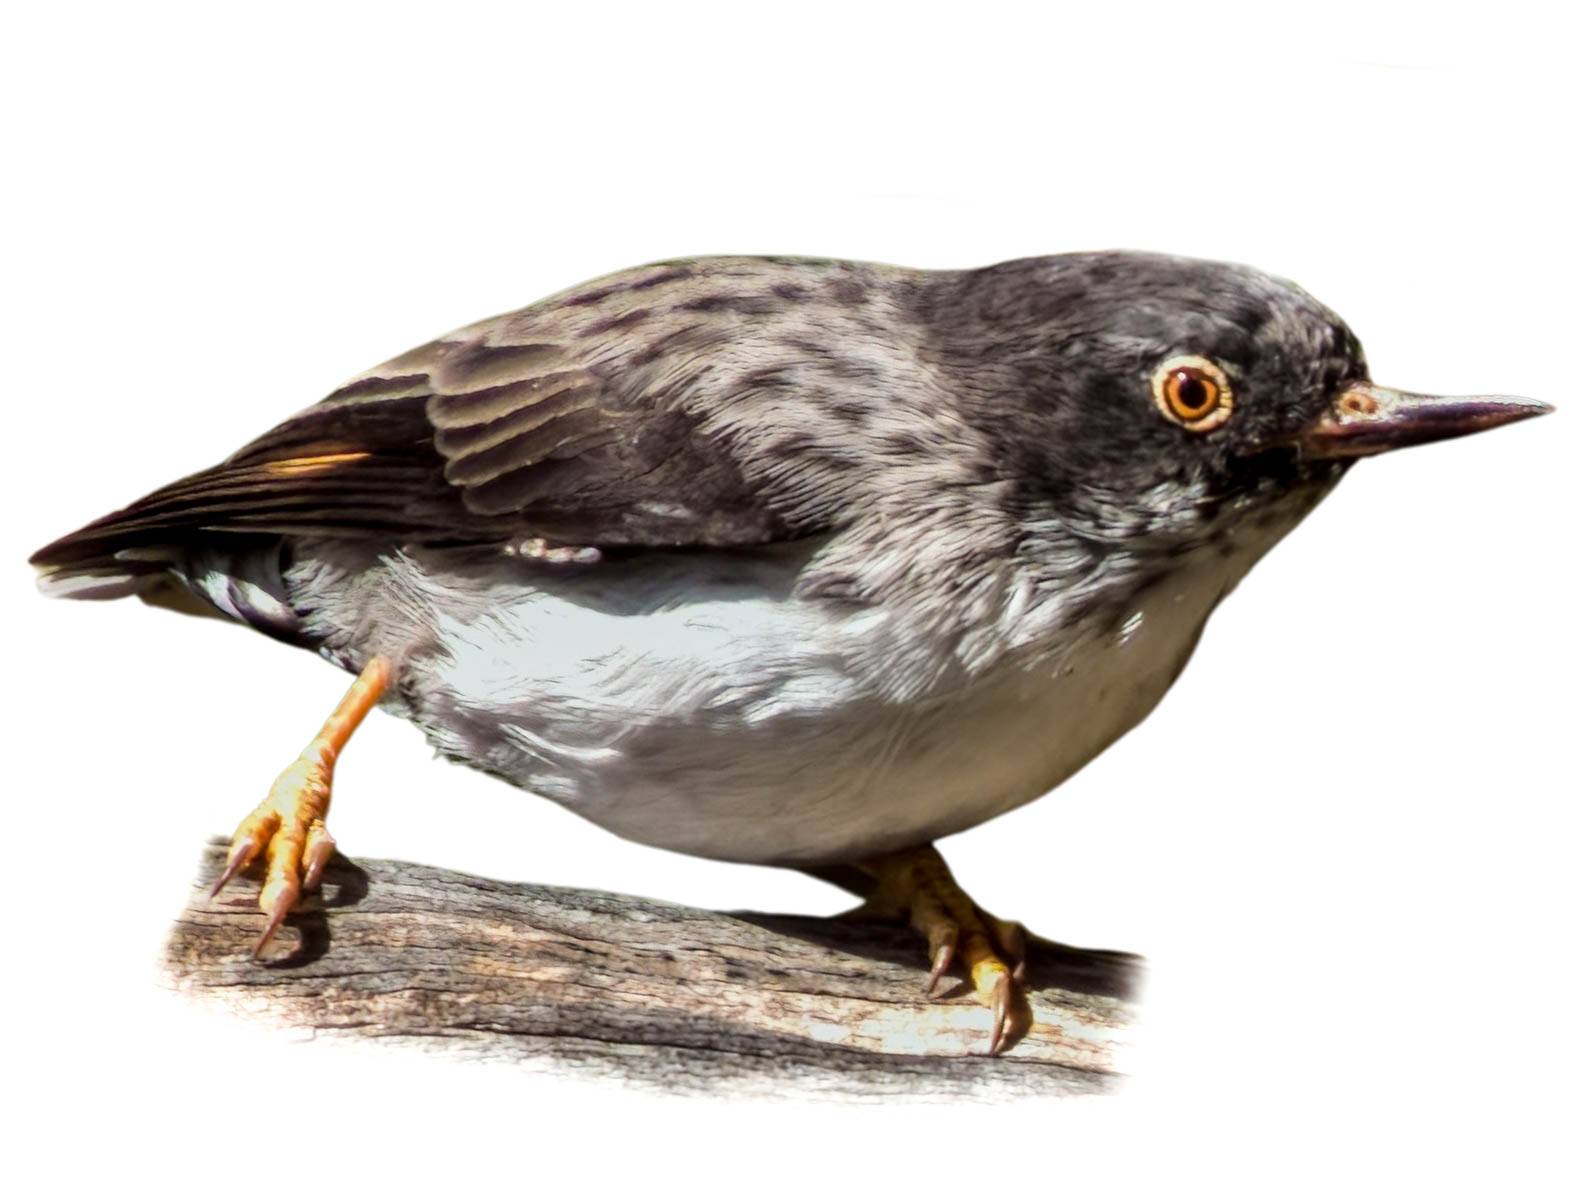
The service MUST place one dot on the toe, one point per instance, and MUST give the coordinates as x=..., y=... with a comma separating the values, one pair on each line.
x=1012, y=939
x=995, y=987
x=243, y=852
x=317, y=852
x=276, y=900
x=247, y=844
x=288, y=830
x=959, y=933
x=283, y=878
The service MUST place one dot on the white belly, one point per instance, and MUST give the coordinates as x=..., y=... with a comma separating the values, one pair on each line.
x=709, y=712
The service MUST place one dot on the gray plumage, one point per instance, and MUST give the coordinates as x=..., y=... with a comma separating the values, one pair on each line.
x=770, y=559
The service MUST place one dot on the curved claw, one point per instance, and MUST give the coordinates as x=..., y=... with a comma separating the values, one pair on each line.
x=944, y=947
x=277, y=915
x=290, y=821
x=288, y=829
x=243, y=852
x=317, y=852
x=1001, y=1007
x=957, y=932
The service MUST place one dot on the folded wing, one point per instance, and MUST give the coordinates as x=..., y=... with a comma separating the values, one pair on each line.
x=579, y=420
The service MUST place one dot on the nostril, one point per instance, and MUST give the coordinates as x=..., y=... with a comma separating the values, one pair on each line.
x=1357, y=401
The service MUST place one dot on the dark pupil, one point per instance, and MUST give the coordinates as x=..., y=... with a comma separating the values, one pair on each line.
x=1193, y=392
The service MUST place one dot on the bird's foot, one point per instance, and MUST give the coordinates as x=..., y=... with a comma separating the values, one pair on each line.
x=288, y=830
x=917, y=884
x=288, y=827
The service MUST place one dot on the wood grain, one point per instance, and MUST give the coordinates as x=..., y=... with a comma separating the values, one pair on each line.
x=566, y=980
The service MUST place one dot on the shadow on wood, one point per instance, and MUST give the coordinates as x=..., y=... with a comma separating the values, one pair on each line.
x=679, y=998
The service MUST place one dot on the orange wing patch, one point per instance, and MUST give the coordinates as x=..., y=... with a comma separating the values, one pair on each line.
x=308, y=465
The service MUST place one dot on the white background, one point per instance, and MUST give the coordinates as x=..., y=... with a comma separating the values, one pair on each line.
x=1348, y=841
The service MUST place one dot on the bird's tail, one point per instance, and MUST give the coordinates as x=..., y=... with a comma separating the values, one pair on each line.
x=237, y=576
x=102, y=574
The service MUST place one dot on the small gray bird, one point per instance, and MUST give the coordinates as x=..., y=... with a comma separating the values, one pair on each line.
x=784, y=561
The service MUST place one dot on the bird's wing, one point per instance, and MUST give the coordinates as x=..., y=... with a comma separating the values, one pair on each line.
x=670, y=405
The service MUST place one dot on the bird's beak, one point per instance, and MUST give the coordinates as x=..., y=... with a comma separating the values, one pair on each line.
x=1368, y=419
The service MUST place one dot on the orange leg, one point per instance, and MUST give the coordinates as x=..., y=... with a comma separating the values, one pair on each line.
x=288, y=827
x=916, y=883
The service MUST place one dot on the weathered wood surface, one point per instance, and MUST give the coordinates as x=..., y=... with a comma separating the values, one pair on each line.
x=566, y=980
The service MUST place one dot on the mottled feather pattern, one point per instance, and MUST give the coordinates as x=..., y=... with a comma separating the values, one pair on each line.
x=775, y=560
x=729, y=401
x=722, y=402
x=737, y=402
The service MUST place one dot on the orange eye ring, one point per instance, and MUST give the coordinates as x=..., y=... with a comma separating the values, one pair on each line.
x=1193, y=392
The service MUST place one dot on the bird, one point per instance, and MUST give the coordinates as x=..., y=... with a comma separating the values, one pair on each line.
x=789, y=561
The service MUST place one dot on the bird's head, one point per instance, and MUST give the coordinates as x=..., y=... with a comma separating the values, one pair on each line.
x=1164, y=400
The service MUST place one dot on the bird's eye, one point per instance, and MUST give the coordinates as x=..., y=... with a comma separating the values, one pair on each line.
x=1193, y=392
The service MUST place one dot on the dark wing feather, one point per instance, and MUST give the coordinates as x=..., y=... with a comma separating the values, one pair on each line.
x=724, y=402
x=621, y=413
x=325, y=475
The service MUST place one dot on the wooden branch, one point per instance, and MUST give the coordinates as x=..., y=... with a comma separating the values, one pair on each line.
x=689, y=1000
